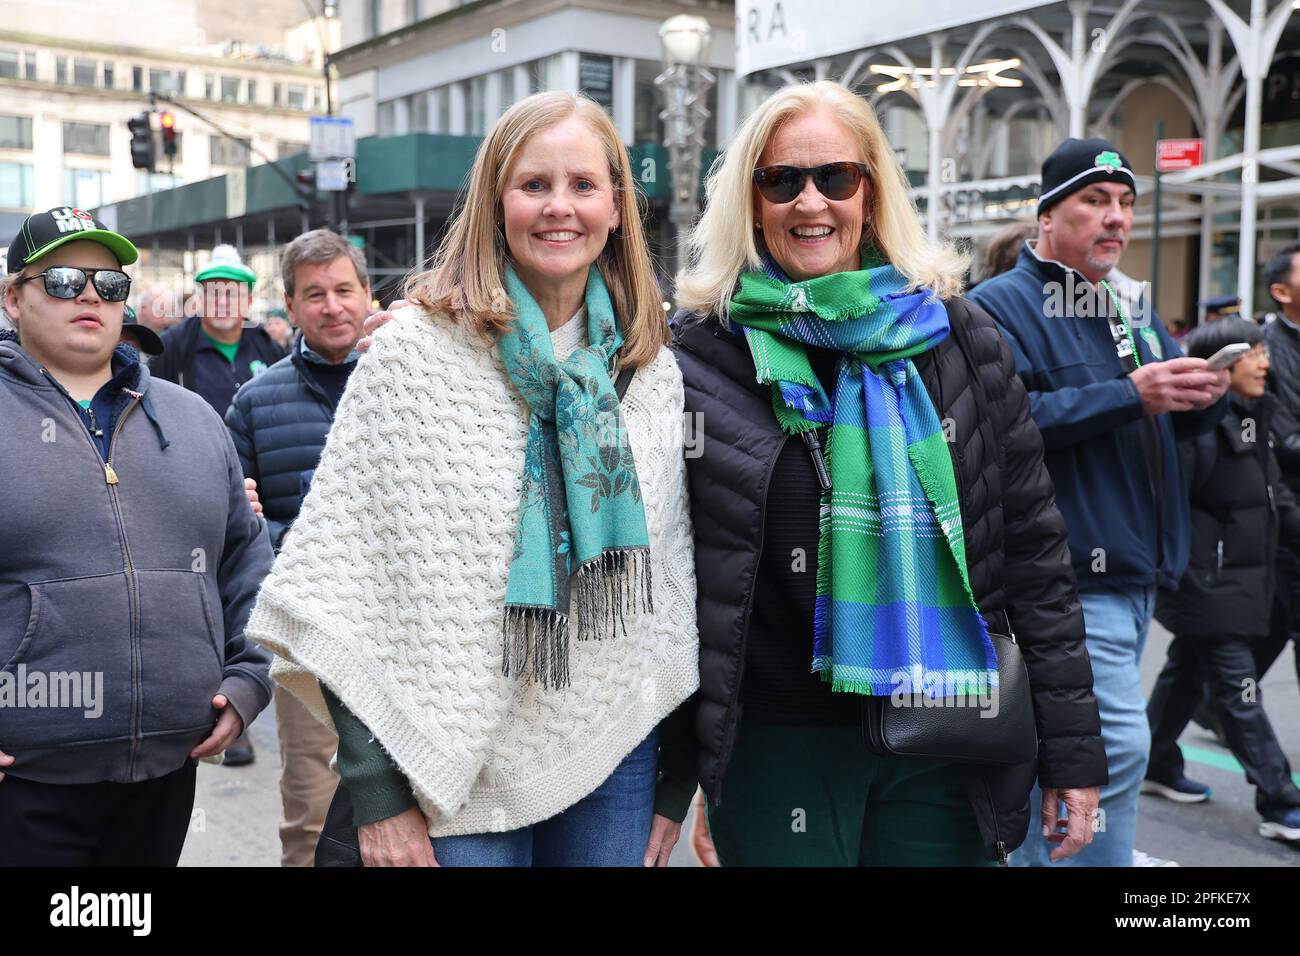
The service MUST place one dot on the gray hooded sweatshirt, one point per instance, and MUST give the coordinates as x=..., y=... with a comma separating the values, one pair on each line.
x=124, y=584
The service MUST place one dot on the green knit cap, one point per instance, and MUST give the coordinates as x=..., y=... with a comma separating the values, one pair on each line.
x=226, y=264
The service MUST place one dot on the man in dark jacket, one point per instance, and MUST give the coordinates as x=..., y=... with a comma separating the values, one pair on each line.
x=126, y=575
x=1282, y=273
x=215, y=352
x=1240, y=509
x=279, y=422
x=1110, y=393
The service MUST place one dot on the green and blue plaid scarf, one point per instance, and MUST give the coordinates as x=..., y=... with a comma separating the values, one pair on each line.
x=581, y=509
x=892, y=588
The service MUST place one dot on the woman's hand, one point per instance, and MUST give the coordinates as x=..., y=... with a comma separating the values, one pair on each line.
x=402, y=840
x=663, y=837
x=5, y=761
x=373, y=322
x=1081, y=809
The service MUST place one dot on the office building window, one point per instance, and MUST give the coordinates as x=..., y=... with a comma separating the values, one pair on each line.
x=230, y=89
x=9, y=63
x=155, y=182
x=386, y=118
x=596, y=79
x=15, y=132
x=412, y=11
x=250, y=90
x=648, y=127
x=89, y=139
x=508, y=93
x=108, y=76
x=84, y=71
x=315, y=99
x=167, y=81
x=277, y=94
x=60, y=69
x=372, y=18
x=476, y=106
x=85, y=188
x=29, y=65
x=418, y=111
x=296, y=96
x=225, y=151
x=439, y=110
x=137, y=79
x=209, y=86
x=16, y=186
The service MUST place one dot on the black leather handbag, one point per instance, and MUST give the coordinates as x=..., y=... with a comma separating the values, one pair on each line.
x=996, y=729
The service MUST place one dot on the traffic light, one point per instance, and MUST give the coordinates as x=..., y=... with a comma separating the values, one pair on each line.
x=142, y=156
x=168, y=122
x=306, y=187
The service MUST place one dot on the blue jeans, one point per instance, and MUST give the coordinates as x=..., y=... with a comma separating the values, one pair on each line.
x=1117, y=622
x=608, y=827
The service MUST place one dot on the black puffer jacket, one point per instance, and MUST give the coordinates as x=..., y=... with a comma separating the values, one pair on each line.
x=279, y=421
x=1240, y=507
x=1284, y=382
x=1016, y=548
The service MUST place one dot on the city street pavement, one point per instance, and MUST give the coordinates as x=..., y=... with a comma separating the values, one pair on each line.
x=237, y=809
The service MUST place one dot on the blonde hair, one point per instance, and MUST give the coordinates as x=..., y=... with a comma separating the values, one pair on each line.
x=722, y=244
x=465, y=276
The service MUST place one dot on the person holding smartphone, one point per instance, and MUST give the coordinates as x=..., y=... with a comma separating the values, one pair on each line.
x=1240, y=508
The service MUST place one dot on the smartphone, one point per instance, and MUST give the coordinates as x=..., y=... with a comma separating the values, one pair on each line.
x=1227, y=355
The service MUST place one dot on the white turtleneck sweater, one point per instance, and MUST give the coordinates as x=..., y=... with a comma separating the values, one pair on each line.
x=391, y=587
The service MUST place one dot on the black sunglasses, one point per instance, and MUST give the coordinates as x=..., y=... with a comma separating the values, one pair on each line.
x=68, y=282
x=783, y=184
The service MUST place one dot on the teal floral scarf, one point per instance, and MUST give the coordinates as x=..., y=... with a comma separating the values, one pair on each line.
x=581, y=510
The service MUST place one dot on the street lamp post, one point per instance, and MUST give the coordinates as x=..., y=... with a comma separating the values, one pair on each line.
x=685, y=83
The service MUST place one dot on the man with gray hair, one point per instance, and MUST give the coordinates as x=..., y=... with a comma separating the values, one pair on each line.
x=279, y=422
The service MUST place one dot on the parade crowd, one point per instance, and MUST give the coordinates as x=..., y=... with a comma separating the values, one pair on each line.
x=506, y=618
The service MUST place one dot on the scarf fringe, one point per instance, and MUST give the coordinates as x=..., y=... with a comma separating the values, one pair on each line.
x=543, y=635
x=609, y=587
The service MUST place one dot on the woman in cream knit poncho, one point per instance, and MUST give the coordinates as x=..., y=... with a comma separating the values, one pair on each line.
x=398, y=589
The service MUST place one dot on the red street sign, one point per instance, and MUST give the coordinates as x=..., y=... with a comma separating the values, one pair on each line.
x=1175, y=154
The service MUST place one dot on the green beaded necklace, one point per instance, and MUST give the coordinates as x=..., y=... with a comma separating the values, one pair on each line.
x=1132, y=343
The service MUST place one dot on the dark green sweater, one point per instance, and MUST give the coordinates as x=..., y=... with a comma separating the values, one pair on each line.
x=380, y=790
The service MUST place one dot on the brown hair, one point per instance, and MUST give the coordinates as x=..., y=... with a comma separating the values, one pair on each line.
x=465, y=276
x=1004, y=247
x=319, y=246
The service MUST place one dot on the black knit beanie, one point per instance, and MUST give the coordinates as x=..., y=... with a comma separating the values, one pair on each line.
x=1080, y=162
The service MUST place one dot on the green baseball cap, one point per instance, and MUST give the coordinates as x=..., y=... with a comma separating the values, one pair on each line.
x=43, y=232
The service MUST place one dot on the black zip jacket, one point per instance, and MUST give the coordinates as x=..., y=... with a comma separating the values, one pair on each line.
x=1241, y=509
x=1017, y=552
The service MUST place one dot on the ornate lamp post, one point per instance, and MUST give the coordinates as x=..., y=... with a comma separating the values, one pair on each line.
x=685, y=83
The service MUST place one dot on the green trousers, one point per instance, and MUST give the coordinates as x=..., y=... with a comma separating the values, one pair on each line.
x=815, y=796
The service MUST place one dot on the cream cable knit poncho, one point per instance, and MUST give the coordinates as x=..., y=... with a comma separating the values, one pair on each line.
x=391, y=585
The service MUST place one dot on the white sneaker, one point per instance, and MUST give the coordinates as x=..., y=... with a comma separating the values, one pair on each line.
x=1144, y=859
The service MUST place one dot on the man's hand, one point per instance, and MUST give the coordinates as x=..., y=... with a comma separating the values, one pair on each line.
x=250, y=489
x=5, y=761
x=1179, y=385
x=663, y=837
x=373, y=322
x=229, y=726
x=402, y=840
x=1080, y=808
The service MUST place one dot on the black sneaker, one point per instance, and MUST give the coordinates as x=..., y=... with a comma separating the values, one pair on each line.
x=240, y=753
x=1177, y=789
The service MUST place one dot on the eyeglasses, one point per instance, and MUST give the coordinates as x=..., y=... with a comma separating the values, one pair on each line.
x=68, y=282
x=783, y=184
x=1260, y=351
